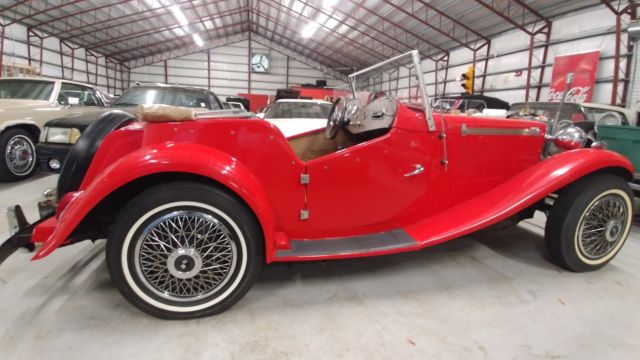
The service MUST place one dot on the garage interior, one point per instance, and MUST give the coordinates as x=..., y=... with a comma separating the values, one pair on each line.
x=490, y=294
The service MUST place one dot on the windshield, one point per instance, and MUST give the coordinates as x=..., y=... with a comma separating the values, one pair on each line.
x=166, y=96
x=26, y=89
x=547, y=111
x=295, y=109
x=400, y=77
x=444, y=105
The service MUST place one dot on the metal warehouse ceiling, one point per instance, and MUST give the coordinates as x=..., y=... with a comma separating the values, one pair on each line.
x=343, y=34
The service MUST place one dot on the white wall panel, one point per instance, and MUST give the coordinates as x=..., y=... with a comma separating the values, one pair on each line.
x=229, y=71
x=587, y=30
x=15, y=51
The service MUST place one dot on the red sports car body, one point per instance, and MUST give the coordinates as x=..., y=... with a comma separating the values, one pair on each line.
x=392, y=180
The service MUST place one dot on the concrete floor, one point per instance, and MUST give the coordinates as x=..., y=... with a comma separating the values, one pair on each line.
x=489, y=295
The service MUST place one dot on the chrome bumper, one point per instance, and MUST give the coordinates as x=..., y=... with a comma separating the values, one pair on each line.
x=20, y=230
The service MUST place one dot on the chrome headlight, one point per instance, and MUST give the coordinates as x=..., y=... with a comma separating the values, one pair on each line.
x=61, y=135
x=570, y=138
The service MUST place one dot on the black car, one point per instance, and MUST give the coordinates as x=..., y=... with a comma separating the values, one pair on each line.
x=464, y=103
x=59, y=135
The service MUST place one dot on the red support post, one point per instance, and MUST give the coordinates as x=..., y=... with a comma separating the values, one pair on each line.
x=1, y=50
x=249, y=66
x=209, y=69
x=166, y=73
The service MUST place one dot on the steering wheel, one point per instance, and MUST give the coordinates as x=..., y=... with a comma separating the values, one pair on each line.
x=336, y=118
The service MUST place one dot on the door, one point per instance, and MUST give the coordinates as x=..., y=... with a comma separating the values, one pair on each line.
x=373, y=186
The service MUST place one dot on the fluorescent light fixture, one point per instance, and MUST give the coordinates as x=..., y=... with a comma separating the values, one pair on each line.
x=179, y=15
x=309, y=29
x=198, y=40
x=329, y=3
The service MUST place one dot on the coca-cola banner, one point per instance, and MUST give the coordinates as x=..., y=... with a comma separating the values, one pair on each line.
x=583, y=66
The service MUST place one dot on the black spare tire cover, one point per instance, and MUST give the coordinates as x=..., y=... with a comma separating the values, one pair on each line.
x=79, y=157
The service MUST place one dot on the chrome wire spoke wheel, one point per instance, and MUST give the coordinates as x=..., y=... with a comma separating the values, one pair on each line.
x=185, y=255
x=603, y=226
x=20, y=155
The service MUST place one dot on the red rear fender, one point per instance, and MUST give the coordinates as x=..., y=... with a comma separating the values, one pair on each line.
x=186, y=158
x=516, y=194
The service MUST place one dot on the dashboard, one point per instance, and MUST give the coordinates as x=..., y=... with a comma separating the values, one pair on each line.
x=374, y=118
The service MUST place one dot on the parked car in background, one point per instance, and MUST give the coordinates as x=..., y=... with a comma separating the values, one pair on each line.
x=60, y=134
x=469, y=103
x=587, y=116
x=192, y=207
x=236, y=105
x=624, y=140
x=26, y=104
x=296, y=116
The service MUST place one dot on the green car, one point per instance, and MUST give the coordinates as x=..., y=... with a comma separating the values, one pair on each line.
x=626, y=141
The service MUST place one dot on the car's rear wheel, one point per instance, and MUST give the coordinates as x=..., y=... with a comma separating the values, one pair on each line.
x=589, y=223
x=18, y=160
x=184, y=250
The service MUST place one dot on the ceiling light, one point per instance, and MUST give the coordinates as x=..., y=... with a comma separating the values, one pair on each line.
x=329, y=3
x=179, y=15
x=309, y=29
x=198, y=40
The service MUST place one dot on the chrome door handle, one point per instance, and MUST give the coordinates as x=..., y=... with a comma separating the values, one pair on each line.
x=419, y=169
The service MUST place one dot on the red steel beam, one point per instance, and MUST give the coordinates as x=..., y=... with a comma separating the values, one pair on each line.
x=540, y=26
x=353, y=28
x=333, y=49
x=57, y=7
x=79, y=13
x=167, y=41
x=249, y=64
x=619, y=11
x=395, y=25
x=109, y=22
x=1, y=50
x=362, y=48
x=156, y=30
x=32, y=34
x=17, y=3
x=332, y=60
x=427, y=24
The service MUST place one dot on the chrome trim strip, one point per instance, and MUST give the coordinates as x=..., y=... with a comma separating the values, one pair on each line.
x=362, y=244
x=465, y=130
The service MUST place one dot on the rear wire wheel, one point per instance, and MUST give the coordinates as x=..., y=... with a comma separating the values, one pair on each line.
x=589, y=223
x=184, y=250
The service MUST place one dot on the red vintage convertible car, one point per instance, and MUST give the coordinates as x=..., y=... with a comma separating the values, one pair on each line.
x=191, y=208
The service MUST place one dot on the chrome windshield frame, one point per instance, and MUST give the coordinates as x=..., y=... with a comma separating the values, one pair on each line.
x=415, y=61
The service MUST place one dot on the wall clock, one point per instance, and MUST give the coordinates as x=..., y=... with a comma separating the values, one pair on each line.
x=260, y=62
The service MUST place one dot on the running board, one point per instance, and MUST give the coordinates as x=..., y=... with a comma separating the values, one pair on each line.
x=349, y=246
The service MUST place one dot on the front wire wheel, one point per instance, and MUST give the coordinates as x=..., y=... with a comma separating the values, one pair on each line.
x=589, y=223
x=175, y=256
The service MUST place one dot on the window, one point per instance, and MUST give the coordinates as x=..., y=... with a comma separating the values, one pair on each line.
x=307, y=110
x=74, y=94
x=174, y=96
x=26, y=89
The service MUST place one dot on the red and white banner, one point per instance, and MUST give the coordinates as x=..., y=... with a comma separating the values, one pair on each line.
x=583, y=66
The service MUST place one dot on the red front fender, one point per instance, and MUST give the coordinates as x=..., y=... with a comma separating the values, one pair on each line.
x=161, y=158
x=515, y=195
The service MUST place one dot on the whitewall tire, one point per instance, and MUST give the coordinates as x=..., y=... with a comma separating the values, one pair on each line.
x=184, y=250
x=589, y=223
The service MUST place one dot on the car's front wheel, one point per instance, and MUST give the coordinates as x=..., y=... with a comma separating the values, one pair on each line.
x=589, y=223
x=18, y=160
x=184, y=250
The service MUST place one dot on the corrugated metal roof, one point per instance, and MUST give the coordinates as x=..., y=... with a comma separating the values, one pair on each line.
x=348, y=34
